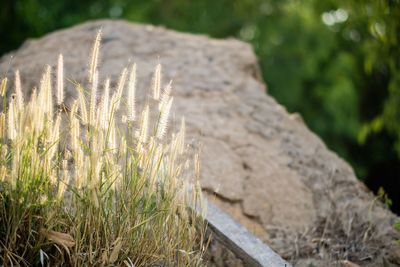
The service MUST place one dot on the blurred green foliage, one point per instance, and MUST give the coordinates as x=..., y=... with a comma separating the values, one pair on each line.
x=335, y=62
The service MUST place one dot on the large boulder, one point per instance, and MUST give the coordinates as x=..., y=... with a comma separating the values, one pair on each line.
x=260, y=164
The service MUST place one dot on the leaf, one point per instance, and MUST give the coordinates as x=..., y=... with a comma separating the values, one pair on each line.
x=59, y=238
x=104, y=257
x=397, y=225
x=115, y=252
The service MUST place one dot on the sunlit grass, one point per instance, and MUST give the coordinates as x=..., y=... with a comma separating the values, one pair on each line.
x=86, y=186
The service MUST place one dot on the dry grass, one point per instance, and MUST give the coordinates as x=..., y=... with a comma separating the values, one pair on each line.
x=75, y=189
x=344, y=237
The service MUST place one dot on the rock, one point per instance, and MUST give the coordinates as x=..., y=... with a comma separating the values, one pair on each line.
x=260, y=163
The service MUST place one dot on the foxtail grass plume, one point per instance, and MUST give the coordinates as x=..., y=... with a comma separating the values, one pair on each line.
x=95, y=57
x=144, y=126
x=120, y=88
x=75, y=128
x=2, y=125
x=163, y=122
x=131, y=94
x=165, y=96
x=93, y=98
x=82, y=105
x=11, y=122
x=60, y=80
x=3, y=87
x=105, y=105
x=157, y=82
x=18, y=91
x=45, y=92
x=84, y=188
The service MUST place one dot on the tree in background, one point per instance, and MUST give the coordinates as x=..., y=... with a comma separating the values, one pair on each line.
x=371, y=35
x=335, y=62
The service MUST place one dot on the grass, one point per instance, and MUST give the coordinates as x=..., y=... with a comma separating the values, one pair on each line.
x=85, y=186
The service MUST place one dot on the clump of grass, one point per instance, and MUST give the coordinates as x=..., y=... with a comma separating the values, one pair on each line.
x=81, y=186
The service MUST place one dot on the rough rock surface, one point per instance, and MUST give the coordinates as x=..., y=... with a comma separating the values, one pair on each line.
x=259, y=163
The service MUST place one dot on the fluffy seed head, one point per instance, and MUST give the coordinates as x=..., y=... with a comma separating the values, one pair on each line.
x=144, y=125
x=95, y=56
x=2, y=125
x=163, y=123
x=105, y=103
x=18, y=91
x=82, y=105
x=12, y=132
x=131, y=94
x=45, y=92
x=3, y=87
x=157, y=82
x=120, y=87
x=93, y=96
x=60, y=80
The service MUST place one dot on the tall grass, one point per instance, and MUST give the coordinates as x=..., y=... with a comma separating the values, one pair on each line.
x=85, y=186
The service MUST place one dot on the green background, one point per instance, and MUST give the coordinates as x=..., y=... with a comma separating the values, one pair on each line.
x=335, y=62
